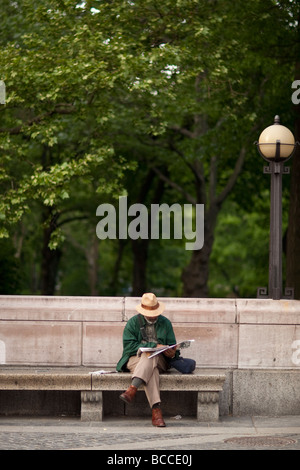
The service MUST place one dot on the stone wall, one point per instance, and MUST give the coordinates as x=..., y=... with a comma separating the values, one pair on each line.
x=257, y=341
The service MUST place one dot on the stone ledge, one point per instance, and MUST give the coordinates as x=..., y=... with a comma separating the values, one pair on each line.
x=31, y=378
x=83, y=378
x=201, y=380
x=60, y=308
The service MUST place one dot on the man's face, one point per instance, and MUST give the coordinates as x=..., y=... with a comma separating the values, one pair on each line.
x=151, y=319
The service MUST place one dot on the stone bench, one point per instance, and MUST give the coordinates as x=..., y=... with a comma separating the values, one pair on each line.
x=255, y=342
x=91, y=385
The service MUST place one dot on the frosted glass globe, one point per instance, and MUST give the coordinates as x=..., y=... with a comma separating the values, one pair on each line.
x=268, y=137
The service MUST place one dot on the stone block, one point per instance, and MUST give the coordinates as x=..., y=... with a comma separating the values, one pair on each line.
x=39, y=308
x=266, y=392
x=102, y=343
x=216, y=345
x=267, y=346
x=268, y=311
x=91, y=406
x=41, y=343
x=208, y=406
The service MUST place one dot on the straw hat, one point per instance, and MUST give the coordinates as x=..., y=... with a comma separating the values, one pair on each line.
x=149, y=306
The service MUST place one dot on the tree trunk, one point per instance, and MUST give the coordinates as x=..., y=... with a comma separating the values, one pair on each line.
x=195, y=275
x=50, y=258
x=139, y=275
x=140, y=246
x=92, y=254
x=114, y=282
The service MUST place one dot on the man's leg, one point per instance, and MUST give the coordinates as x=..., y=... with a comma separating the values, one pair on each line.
x=152, y=390
x=146, y=371
x=129, y=395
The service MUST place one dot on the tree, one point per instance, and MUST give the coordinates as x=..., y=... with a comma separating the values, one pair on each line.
x=58, y=83
x=180, y=87
x=202, y=109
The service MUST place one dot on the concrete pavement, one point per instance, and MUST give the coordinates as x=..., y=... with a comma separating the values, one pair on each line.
x=135, y=434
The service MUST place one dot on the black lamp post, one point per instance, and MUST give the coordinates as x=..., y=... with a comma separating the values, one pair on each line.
x=276, y=145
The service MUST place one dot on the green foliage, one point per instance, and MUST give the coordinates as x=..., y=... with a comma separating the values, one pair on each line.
x=100, y=92
x=239, y=263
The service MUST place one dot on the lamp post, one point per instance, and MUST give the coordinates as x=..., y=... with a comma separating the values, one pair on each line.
x=276, y=145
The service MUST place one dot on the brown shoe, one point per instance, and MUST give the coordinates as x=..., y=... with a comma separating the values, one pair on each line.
x=157, y=419
x=129, y=395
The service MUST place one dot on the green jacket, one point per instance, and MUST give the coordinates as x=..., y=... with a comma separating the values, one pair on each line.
x=133, y=340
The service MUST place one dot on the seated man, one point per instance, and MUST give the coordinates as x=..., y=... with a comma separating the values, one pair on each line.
x=150, y=329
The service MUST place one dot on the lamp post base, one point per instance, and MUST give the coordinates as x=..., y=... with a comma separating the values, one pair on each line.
x=262, y=293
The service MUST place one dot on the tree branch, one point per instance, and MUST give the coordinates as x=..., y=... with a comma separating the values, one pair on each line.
x=174, y=185
x=184, y=131
x=61, y=108
x=198, y=175
x=232, y=179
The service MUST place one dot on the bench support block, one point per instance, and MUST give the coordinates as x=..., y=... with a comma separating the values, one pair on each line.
x=208, y=406
x=91, y=406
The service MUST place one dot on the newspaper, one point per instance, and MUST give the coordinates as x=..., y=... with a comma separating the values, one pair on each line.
x=160, y=349
x=101, y=372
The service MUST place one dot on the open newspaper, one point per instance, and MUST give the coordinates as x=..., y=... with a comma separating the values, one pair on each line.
x=101, y=372
x=159, y=350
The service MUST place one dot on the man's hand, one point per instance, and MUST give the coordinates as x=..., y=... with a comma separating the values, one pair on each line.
x=169, y=352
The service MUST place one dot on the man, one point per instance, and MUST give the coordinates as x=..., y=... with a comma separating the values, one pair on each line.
x=149, y=329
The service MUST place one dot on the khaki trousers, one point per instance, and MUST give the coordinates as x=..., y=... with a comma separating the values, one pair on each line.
x=148, y=370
